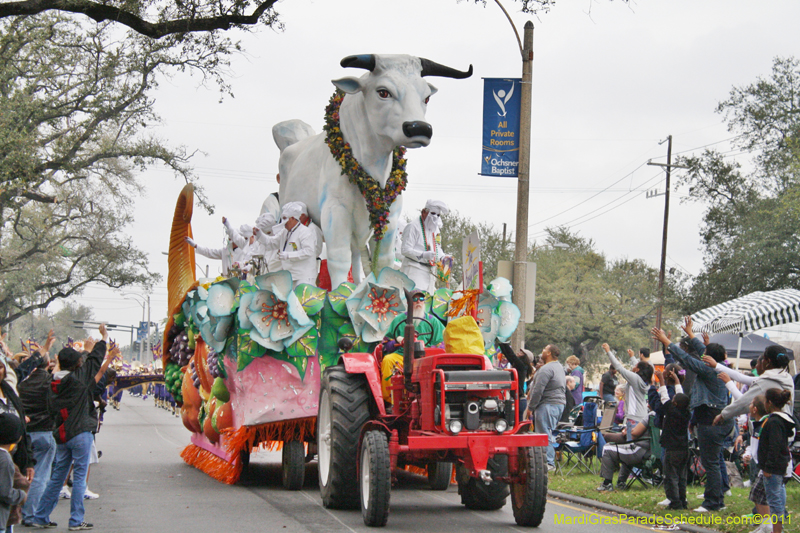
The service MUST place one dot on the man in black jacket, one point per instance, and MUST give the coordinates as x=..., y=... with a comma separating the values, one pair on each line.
x=35, y=397
x=75, y=421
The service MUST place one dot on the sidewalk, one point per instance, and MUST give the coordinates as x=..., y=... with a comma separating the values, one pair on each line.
x=621, y=510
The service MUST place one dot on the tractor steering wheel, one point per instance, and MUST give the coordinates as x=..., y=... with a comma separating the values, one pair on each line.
x=428, y=333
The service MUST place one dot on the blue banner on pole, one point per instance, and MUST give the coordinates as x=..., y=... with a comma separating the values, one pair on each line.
x=501, y=111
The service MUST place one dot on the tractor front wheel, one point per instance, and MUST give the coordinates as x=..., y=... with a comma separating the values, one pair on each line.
x=376, y=478
x=439, y=475
x=477, y=495
x=293, y=464
x=528, y=498
x=343, y=410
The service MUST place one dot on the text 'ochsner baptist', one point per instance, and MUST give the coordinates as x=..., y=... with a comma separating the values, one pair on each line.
x=500, y=166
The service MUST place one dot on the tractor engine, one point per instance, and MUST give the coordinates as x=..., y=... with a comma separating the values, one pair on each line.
x=459, y=393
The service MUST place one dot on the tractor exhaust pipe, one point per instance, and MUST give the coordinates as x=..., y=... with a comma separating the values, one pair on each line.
x=408, y=342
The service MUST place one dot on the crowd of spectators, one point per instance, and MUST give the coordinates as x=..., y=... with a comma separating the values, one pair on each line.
x=701, y=407
x=48, y=418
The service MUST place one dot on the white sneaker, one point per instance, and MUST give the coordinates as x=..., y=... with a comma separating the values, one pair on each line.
x=700, y=509
x=765, y=527
x=701, y=496
x=664, y=503
x=550, y=468
x=746, y=483
x=65, y=493
x=729, y=493
x=89, y=495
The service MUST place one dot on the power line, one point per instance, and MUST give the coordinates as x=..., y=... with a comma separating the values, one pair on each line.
x=578, y=221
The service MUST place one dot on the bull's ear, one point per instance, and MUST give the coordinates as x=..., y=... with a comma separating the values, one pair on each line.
x=433, y=89
x=349, y=84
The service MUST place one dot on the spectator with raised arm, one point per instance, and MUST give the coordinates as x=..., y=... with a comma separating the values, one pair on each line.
x=709, y=397
x=675, y=415
x=71, y=389
x=636, y=393
x=773, y=373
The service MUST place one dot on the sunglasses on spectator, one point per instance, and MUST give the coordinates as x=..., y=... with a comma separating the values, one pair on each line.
x=418, y=299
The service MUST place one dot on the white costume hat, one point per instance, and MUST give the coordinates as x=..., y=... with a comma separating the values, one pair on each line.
x=245, y=230
x=437, y=205
x=265, y=221
x=292, y=210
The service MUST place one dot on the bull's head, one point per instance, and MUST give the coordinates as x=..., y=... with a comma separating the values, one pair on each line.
x=395, y=95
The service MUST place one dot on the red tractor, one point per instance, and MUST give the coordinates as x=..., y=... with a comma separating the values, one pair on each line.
x=446, y=409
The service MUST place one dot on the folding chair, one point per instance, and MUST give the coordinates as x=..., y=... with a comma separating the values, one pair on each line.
x=648, y=472
x=608, y=418
x=579, y=447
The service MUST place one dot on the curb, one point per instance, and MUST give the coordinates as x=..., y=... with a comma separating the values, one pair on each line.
x=620, y=510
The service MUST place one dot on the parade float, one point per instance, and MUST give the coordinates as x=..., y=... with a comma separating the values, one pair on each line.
x=244, y=358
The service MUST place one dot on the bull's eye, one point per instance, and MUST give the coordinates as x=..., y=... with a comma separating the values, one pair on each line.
x=383, y=93
x=428, y=99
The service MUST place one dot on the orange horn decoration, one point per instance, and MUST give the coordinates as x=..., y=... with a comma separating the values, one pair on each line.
x=181, y=277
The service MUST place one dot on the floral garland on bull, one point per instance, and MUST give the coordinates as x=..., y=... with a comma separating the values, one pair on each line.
x=378, y=199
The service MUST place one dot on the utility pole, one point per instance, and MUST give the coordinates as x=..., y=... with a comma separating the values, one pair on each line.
x=664, y=237
x=663, y=269
x=523, y=186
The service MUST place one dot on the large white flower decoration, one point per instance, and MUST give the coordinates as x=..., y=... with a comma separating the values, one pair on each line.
x=274, y=312
x=376, y=302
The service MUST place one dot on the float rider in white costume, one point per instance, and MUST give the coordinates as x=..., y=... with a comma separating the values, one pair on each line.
x=266, y=245
x=420, y=248
x=229, y=254
x=244, y=239
x=297, y=246
x=306, y=221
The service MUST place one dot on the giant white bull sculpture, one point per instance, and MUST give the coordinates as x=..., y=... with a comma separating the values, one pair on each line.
x=381, y=110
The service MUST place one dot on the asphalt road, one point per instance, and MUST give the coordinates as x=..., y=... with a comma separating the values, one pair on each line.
x=145, y=486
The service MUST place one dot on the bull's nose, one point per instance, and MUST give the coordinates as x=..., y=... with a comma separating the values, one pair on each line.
x=417, y=129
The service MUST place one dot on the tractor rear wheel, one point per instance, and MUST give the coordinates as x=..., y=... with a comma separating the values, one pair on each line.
x=439, y=475
x=376, y=478
x=343, y=409
x=477, y=495
x=529, y=497
x=293, y=463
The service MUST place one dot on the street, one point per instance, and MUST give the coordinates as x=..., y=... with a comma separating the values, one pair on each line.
x=144, y=485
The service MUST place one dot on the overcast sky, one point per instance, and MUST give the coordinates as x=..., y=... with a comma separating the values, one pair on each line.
x=610, y=82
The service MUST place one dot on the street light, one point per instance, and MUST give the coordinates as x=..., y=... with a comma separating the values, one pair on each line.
x=523, y=175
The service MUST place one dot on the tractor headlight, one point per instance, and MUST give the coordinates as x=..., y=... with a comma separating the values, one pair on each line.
x=455, y=426
x=501, y=425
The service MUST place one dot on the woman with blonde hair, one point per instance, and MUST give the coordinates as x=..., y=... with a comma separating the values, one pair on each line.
x=575, y=370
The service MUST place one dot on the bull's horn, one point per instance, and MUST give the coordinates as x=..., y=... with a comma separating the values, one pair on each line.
x=366, y=61
x=430, y=68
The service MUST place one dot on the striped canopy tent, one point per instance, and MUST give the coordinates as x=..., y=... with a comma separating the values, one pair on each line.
x=755, y=311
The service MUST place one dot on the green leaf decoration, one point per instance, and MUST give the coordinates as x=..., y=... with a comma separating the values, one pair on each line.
x=311, y=298
x=338, y=296
x=439, y=303
x=329, y=336
x=247, y=350
x=347, y=330
x=244, y=288
x=300, y=363
x=305, y=346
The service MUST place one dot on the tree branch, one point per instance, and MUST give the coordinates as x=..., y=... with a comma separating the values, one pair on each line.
x=100, y=12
